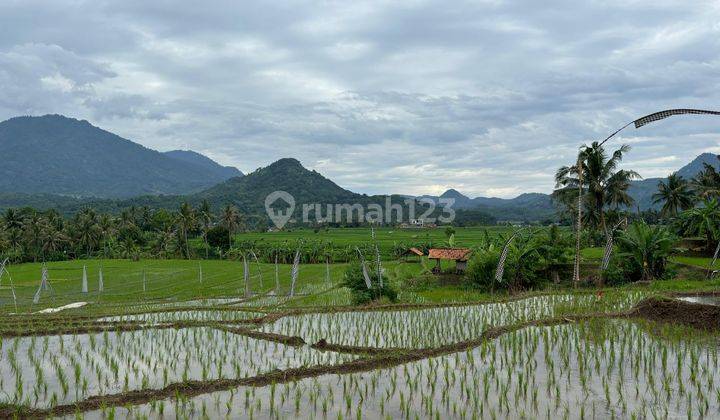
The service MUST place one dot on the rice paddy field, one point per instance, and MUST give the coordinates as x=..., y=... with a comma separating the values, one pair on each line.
x=187, y=339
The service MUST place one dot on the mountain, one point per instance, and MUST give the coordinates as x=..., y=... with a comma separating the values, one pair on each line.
x=643, y=190
x=195, y=158
x=537, y=206
x=248, y=192
x=54, y=154
x=525, y=207
x=698, y=165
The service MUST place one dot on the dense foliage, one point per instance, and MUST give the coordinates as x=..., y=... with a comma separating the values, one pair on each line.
x=354, y=279
x=533, y=258
x=643, y=251
x=53, y=154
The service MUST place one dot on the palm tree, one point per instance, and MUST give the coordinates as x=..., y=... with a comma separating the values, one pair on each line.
x=230, y=220
x=87, y=231
x=703, y=221
x=602, y=183
x=32, y=227
x=675, y=195
x=13, y=219
x=204, y=217
x=648, y=247
x=106, y=224
x=51, y=238
x=165, y=243
x=186, y=221
x=707, y=182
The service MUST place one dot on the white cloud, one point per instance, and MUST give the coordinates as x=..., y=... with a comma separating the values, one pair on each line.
x=405, y=97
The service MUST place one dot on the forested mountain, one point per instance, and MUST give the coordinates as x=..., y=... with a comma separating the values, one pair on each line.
x=53, y=154
x=525, y=207
x=536, y=206
x=67, y=164
x=195, y=158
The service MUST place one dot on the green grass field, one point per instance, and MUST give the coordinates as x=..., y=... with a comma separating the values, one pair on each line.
x=385, y=237
x=172, y=280
x=703, y=262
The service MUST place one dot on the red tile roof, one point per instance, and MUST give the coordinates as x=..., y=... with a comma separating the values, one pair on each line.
x=457, y=254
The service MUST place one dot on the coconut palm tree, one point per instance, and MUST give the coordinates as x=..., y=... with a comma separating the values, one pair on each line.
x=87, y=231
x=51, y=238
x=602, y=183
x=165, y=243
x=707, y=182
x=675, y=194
x=204, y=218
x=185, y=221
x=32, y=227
x=230, y=219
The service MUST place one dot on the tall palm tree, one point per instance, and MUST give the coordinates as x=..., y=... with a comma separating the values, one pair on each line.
x=204, y=218
x=186, y=221
x=230, y=220
x=51, y=238
x=675, y=194
x=602, y=183
x=87, y=231
x=165, y=243
x=32, y=228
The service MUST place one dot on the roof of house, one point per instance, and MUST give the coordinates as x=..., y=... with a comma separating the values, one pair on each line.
x=415, y=251
x=457, y=254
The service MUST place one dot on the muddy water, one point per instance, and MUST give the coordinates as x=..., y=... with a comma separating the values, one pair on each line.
x=603, y=369
x=200, y=315
x=48, y=370
x=437, y=326
x=705, y=300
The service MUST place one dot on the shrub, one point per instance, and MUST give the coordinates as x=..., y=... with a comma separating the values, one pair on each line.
x=355, y=281
x=481, y=268
x=643, y=251
x=218, y=237
x=525, y=266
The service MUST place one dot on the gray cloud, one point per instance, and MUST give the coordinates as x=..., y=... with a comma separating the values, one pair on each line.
x=489, y=97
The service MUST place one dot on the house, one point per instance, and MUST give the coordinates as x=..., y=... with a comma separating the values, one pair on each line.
x=459, y=255
x=413, y=252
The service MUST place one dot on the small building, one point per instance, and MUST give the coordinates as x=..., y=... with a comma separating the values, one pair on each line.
x=459, y=255
x=413, y=253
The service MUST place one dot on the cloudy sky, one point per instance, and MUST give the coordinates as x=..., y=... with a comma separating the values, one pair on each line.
x=486, y=96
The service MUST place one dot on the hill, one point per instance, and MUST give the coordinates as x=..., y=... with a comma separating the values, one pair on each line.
x=53, y=154
x=525, y=207
x=195, y=158
x=248, y=192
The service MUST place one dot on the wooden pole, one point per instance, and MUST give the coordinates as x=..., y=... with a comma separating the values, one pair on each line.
x=576, y=271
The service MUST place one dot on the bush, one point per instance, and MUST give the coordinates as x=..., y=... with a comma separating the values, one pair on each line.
x=525, y=267
x=355, y=281
x=219, y=237
x=642, y=254
x=481, y=268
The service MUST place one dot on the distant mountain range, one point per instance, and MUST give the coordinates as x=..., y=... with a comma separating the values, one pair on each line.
x=53, y=154
x=643, y=190
x=63, y=163
x=541, y=204
x=528, y=206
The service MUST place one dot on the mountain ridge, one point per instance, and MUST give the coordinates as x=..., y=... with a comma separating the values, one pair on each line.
x=54, y=154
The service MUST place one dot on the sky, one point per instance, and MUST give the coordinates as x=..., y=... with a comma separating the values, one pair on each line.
x=488, y=97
